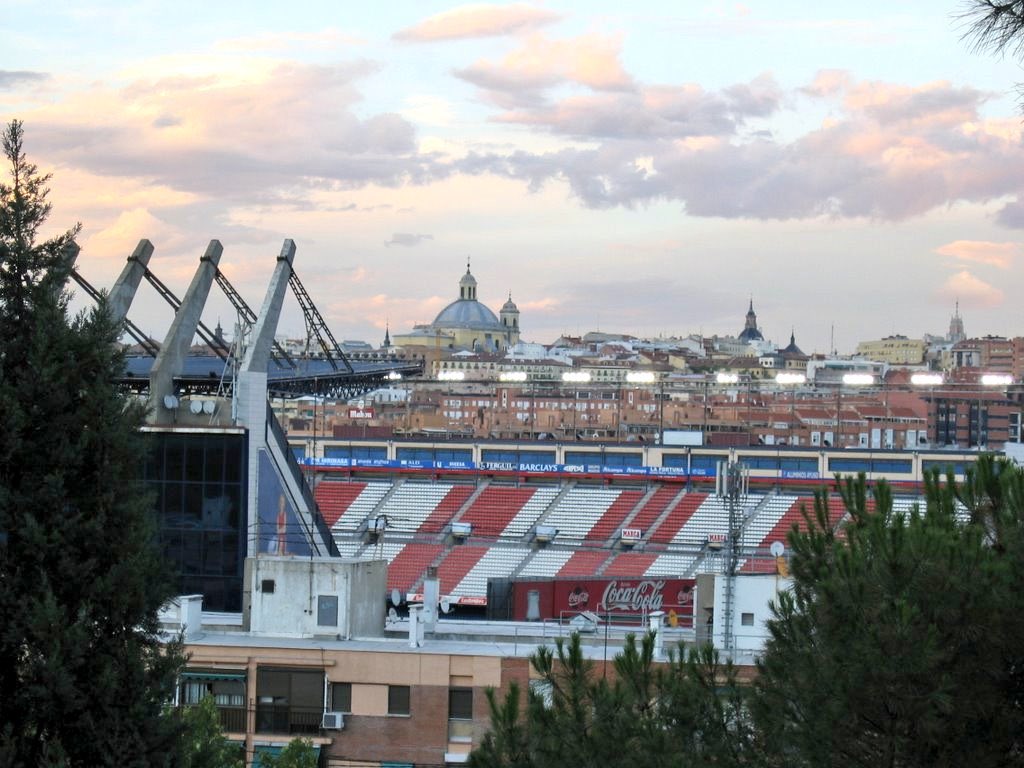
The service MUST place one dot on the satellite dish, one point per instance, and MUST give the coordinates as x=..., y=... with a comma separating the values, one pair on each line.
x=195, y=406
x=396, y=596
x=208, y=407
x=170, y=402
x=446, y=605
x=777, y=548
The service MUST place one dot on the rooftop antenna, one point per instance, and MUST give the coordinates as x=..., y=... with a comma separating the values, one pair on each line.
x=832, y=339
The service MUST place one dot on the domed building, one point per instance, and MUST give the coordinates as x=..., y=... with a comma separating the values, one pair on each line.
x=467, y=324
x=750, y=330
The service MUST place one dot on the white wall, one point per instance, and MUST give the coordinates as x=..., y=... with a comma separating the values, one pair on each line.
x=751, y=596
x=292, y=609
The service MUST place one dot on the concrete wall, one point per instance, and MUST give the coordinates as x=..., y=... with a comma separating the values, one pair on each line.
x=751, y=597
x=292, y=609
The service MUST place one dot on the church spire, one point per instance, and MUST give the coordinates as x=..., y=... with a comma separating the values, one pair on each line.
x=467, y=285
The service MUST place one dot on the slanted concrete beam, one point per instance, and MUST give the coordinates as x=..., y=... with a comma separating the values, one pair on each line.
x=257, y=356
x=123, y=292
x=176, y=345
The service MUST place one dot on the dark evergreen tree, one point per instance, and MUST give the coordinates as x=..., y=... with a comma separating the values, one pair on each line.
x=205, y=745
x=899, y=644
x=83, y=676
x=686, y=711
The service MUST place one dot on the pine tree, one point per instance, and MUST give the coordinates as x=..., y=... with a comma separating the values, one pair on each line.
x=83, y=676
x=686, y=710
x=899, y=644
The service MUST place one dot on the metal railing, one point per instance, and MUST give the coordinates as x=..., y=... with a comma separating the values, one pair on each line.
x=281, y=718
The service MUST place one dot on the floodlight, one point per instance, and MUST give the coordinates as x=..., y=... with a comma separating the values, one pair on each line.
x=790, y=378
x=926, y=379
x=996, y=379
x=858, y=379
x=640, y=377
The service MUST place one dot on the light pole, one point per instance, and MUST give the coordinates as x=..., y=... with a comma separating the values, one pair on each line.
x=634, y=377
x=788, y=378
x=850, y=380
x=930, y=380
x=989, y=380
x=575, y=377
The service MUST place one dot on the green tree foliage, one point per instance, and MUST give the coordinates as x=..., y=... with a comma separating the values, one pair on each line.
x=899, y=644
x=995, y=25
x=686, y=712
x=205, y=745
x=299, y=753
x=83, y=676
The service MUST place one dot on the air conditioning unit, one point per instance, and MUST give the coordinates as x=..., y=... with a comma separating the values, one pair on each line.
x=333, y=721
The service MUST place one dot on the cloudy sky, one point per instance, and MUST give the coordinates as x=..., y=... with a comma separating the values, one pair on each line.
x=642, y=168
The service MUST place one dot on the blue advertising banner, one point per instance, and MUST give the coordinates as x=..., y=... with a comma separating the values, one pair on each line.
x=280, y=532
x=507, y=466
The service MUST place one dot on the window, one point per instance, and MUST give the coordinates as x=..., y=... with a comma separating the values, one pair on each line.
x=460, y=704
x=747, y=619
x=398, y=699
x=544, y=690
x=341, y=697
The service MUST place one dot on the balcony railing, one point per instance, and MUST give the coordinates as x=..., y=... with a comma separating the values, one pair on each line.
x=231, y=719
x=276, y=718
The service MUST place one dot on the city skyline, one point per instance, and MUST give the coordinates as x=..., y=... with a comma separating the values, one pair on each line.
x=644, y=171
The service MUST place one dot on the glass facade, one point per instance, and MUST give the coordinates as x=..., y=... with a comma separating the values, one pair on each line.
x=199, y=481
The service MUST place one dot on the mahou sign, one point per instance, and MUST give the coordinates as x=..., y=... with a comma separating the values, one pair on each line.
x=559, y=597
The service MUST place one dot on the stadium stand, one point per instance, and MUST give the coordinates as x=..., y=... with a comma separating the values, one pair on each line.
x=682, y=531
x=612, y=519
x=445, y=512
x=496, y=562
x=494, y=509
x=584, y=563
x=334, y=498
x=578, y=510
x=677, y=517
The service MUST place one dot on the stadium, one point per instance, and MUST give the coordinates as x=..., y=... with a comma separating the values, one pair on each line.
x=365, y=593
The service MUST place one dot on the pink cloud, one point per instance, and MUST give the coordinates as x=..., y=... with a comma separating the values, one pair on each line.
x=591, y=61
x=829, y=82
x=970, y=291
x=1000, y=255
x=472, y=21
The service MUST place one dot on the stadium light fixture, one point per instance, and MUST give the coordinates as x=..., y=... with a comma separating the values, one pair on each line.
x=926, y=379
x=640, y=377
x=451, y=375
x=785, y=377
x=576, y=376
x=858, y=379
x=512, y=376
x=996, y=379
x=727, y=378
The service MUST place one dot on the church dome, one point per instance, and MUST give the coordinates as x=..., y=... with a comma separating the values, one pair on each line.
x=467, y=313
x=509, y=306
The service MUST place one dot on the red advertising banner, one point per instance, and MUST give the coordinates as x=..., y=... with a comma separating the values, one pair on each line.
x=559, y=598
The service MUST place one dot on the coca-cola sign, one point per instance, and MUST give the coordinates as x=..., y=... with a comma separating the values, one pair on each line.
x=579, y=598
x=633, y=596
x=621, y=595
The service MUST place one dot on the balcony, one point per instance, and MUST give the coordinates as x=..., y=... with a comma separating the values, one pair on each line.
x=283, y=719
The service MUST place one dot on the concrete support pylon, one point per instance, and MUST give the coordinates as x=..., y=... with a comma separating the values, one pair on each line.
x=261, y=339
x=175, y=347
x=127, y=283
